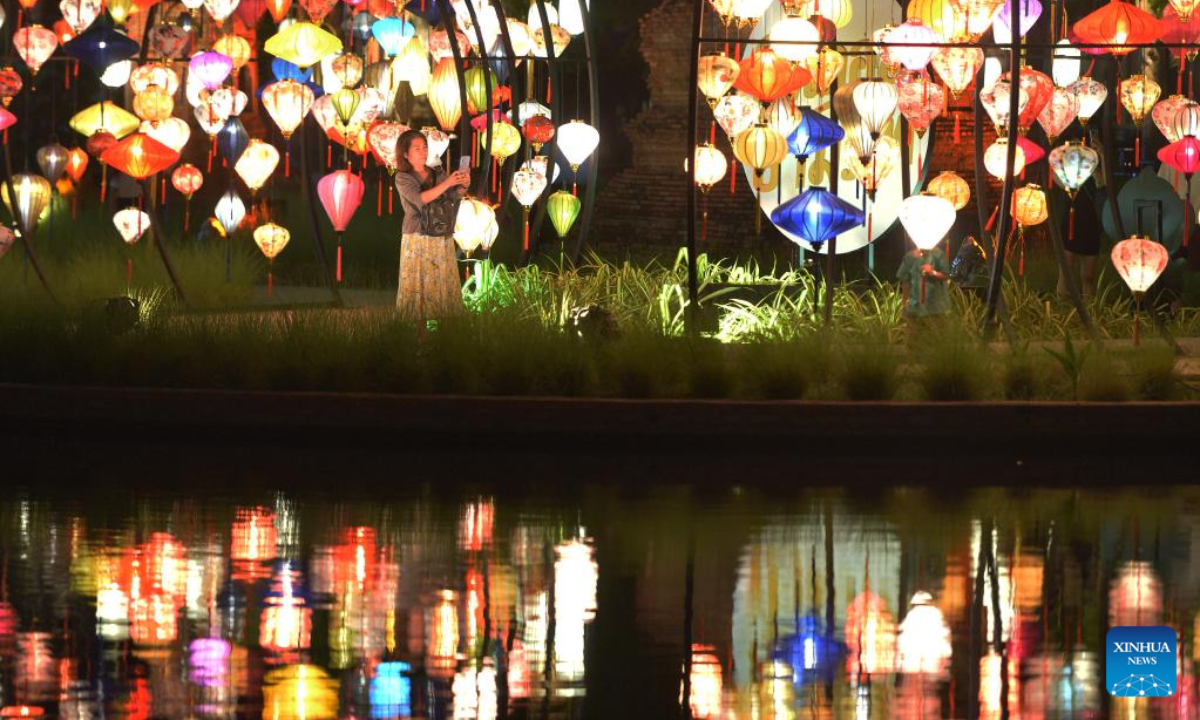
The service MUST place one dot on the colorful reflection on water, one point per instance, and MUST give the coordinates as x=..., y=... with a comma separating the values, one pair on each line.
x=662, y=603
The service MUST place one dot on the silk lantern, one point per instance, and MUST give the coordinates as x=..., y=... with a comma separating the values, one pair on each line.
x=817, y=216
x=77, y=162
x=131, y=224
x=1059, y=113
x=479, y=81
x=101, y=46
x=271, y=239
x=736, y=113
x=287, y=102
x=1139, y=261
x=839, y=12
x=186, y=179
x=139, y=156
x=1039, y=88
x=903, y=44
x=768, y=76
x=813, y=133
x=1028, y=12
x=392, y=34
x=927, y=218
x=153, y=105
x=303, y=44
x=1183, y=155
x=230, y=211
x=957, y=67
x=32, y=194
x=875, y=102
x=920, y=101
x=950, y=186
x=538, y=130
x=1117, y=23
x=1163, y=112
x=210, y=69
x=475, y=225
x=563, y=207
x=79, y=14
x=1073, y=163
x=1065, y=68
x=1181, y=32
x=154, y=73
x=941, y=16
x=794, y=39
x=234, y=47
x=716, y=74
x=527, y=186
x=256, y=164
x=884, y=157
x=711, y=166
x=1185, y=121
x=444, y=94
x=978, y=15
x=35, y=44
x=340, y=192
x=577, y=141
x=824, y=66
x=1138, y=94
x=52, y=159
x=1029, y=206
x=995, y=159
x=10, y=84
x=382, y=138
x=996, y=100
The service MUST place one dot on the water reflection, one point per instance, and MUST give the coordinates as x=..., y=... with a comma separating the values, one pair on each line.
x=481, y=609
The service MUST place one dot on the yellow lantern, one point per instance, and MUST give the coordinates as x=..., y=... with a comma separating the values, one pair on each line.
x=303, y=44
x=154, y=73
x=33, y=197
x=154, y=104
x=506, y=143
x=950, y=186
x=256, y=164
x=715, y=76
x=106, y=116
x=120, y=10
x=348, y=69
x=1029, y=206
x=760, y=147
x=884, y=157
x=271, y=239
x=299, y=691
x=1138, y=95
x=839, y=12
x=996, y=159
x=412, y=66
x=287, y=102
x=711, y=166
x=443, y=94
x=824, y=67
x=235, y=48
x=475, y=226
x=941, y=16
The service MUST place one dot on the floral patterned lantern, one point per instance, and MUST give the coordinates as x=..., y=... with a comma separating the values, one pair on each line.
x=1059, y=113
x=154, y=73
x=715, y=76
x=220, y=10
x=154, y=104
x=131, y=223
x=438, y=143
x=736, y=113
x=957, y=66
x=1091, y=95
x=35, y=44
x=1139, y=261
x=1138, y=94
x=1163, y=112
x=168, y=40
x=1185, y=121
x=1073, y=163
x=952, y=187
x=287, y=102
x=920, y=101
x=186, y=179
x=382, y=138
x=996, y=101
x=1039, y=88
x=271, y=239
x=538, y=130
x=527, y=186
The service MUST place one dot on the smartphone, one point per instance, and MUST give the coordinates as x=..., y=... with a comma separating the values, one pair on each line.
x=464, y=163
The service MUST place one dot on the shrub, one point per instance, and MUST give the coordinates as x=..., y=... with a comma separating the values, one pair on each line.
x=1152, y=373
x=953, y=367
x=867, y=368
x=1101, y=380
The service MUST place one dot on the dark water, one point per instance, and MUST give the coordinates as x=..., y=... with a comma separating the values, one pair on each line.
x=589, y=601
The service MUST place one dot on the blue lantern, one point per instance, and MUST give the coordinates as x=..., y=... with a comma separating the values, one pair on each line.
x=233, y=140
x=811, y=654
x=428, y=10
x=392, y=34
x=817, y=215
x=391, y=691
x=813, y=133
x=100, y=46
x=284, y=70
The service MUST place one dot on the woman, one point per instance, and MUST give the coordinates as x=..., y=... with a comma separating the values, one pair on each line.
x=429, y=285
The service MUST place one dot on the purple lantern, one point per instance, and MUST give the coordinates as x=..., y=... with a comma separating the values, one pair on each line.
x=210, y=68
x=1028, y=12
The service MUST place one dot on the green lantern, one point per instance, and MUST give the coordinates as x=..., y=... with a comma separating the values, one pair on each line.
x=477, y=79
x=563, y=208
x=345, y=102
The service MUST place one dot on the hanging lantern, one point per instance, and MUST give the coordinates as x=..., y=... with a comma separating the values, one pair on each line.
x=561, y=38
x=232, y=140
x=340, y=192
x=1039, y=88
x=1185, y=121
x=794, y=39
x=392, y=34
x=957, y=67
x=883, y=49
x=187, y=180
x=858, y=138
x=996, y=101
x=131, y=223
x=1184, y=33
x=412, y=66
x=920, y=101
x=35, y=44
x=121, y=10
x=169, y=40
x=235, y=48
x=839, y=12
x=1091, y=96
x=101, y=46
x=711, y=166
x=1029, y=206
x=10, y=85
x=1065, y=68
x=438, y=142
x=154, y=104
x=824, y=67
x=995, y=159
x=506, y=143
x=444, y=94
x=220, y=10
x=1117, y=23
x=817, y=216
x=139, y=156
x=79, y=14
x=563, y=208
x=345, y=102
x=32, y=193
x=347, y=68
x=577, y=140
x=736, y=113
x=814, y=132
x=1059, y=113
x=77, y=162
x=287, y=102
x=767, y=76
x=52, y=159
x=99, y=143
x=1138, y=94
x=538, y=130
x=875, y=102
x=7, y=119
x=256, y=164
x=303, y=44
x=782, y=116
x=923, y=643
x=382, y=138
x=760, y=148
x=230, y=211
x=279, y=9
x=527, y=186
x=1028, y=12
x=271, y=240
x=748, y=12
x=154, y=73
x=941, y=17
x=927, y=218
x=317, y=9
x=1073, y=163
x=903, y=44
x=884, y=157
x=978, y=15
x=479, y=81
x=117, y=74
x=210, y=69
x=1164, y=111
x=1183, y=155
x=1139, y=261
x=715, y=76
x=475, y=225
x=951, y=187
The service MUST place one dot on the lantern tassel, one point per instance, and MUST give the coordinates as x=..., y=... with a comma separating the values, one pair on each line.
x=270, y=282
x=391, y=194
x=992, y=220
x=1137, y=150
x=328, y=155
x=287, y=161
x=526, y=245
x=379, y=200
x=732, y=177
x=339, y=258
x=1071, y=224
x=712, y=133
x=162, y=194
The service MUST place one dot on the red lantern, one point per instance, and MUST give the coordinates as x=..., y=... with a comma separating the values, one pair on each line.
x=139, y=156
x=77, y=162
x=538, y=131
x=253, y=535
x=1039, y=88
x=10, y=85
x=1179, y=32
x=1033, y=151
x=341, y=192
x=768, y=77
x=1117, y=23
x=7, y=119
x=64, y=31
x=99, y=143
x=1182, y=155
x=279, y=9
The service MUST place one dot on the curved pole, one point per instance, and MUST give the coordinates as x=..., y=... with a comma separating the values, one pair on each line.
x=464, y=121
x=26, y=242
x=589, y=203
x=160, y=238
x=555, y=113
x=481, y=183
x=314, y=222
x=693, y=97
x=981, y=187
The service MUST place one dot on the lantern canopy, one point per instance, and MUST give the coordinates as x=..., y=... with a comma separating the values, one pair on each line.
x=813, y=133
x=341, y=192
x=1139, y=261
x=563, y=208
x=1117, y=23
x=131, y=224
x=230, y=211
x=32, y=193
x=303, y=44
x=950, y=186
x=139, y=156
x=100, y=46
x=817, y=216
x=927, y=218
x=1073, y=163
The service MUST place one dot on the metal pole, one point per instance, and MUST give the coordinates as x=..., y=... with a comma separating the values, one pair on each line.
x=589, y=203
x=160, y=239
x=693, y=92
x=26, y=241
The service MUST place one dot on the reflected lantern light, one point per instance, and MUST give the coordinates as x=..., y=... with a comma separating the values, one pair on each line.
x=923, y=642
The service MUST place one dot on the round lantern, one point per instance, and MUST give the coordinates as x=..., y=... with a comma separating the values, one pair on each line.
x=1073, y=163
x=32, y=193
x=1117, y=23
x=951, y=187
x=715, y=76
x=927, y=218
x=346, y=69
x=1164, y=111
x=1185, y=33
x=957, y=66
x=230, y=211
x=1029, y=206
x=131, y=224
x=527, y=186
x=1091, y=96
x=77, y=162
x=444, y=94
x=816, y=216
x=506, y=142
x=995, y=159
x=35, y=44
x=824, y=67
x=52, y=159
x=538, y=130
x=256, y=164
x=920, y=101
x=1138, y=94
x=1139, y=261
x=736, y=113
x=303, y=44
x=287, y=102
x=187, y=179
x=99, y=143
x=903, y=44
x=794, y=39
x=577, y=141
x=760, y=147
x=438, y=143
x=154, y=73
x=475, y=226
x=235, y=48
x=875, y=102
x=1183, y=155
x=10, y=84
x=1059, y=113
x=563, y=208
x=271, y=240
x=480, y=82
x=154, y=104
x=711, y=166
x=1185, y=121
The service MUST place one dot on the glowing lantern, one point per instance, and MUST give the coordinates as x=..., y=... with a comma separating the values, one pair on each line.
x=131, y=224
x=839, y=12
x=941, y=17
x=346, y=68
x=317, y=9
x=382, y=138
x=1038, y=87
x=505, y=140
x=561, y=38
x=230, y=211
x=210, y=69
x=1182, y=155
x=412, y=66
x=300, y=691
x=153, y=104
x=768, y=76
x=875, y=102
x=340, y=192
x=760, y=148
x=920, y=101
x=139, y=156
x=279, y=9
x=256, y=164
x=814, y=132
x=563, y=208
x=817, y=216
x=527, y=186
x=538, y=130
x=736, y=113
x=52, y=159
x=7, y=239
x=705, y=699
x=711, y=166
x=903, y=44
x=220, y=10
x=35, y=44
x=1029, y=206
x=478, y=81
x=957, y=66
x=77, y=161
x=169, y=40
x=475, y=225
x=438, y=142
x=1139, y=261
x=870, y=636
x=235, y=48
x=392, y=34
x=1073, y=163
x=883, y=158
x=793, y=38
x=1181, y=32
x=924, y=638
x=233, y=140
x=32, y=194
x=577, y=140
x=1164, y=111
x=345, y=102
x=1185, y=121
x=1065, y=68
x=79, y=14
x=10, y=85
x=153, y=620
x=782, y=116
x=996, y=101
x=7, y=119
x=287, y=102
x=1091, y=96
x=1028, y=12
x=104, y=117
x=1117, y=23
x=1138, y=95
x=187, y=179
x=824, y=67
x=303, y=44
x=286, y=621
x=1059, y=113
x=995, y=159
x=154, y=74
x=927, y=218
x=444, y=94
x=951, y=187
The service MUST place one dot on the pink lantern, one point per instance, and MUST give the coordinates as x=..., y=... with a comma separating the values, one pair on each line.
x=341, y=192
x=210, y=68
x=131, y=223
x=1033, y=151
x=35, y=44
x=1163, y=114
x=900, y=47
x=921, y=101
x=1039, y=87
x=1183, y=155
x=1059, y=113
x=1139, y=261
x=7, y=238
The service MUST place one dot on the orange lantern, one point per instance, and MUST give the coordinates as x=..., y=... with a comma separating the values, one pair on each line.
x=187, y=180
x=253, y=528
x=768, y=77
x=950, y=186
x=279, y=9
x=1117, y=23
x=154, y=104
x=1029, y=206
x=235, y=48
x=77, y=162
x=153, y=620
x=444, y=95
x=139, y=156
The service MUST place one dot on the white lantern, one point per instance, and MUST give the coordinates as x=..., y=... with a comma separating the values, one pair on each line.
x=570, y=16
x=1091, y=96
x=577, y=140
x=875, y=102
x=991, y=71
x=995, y=159
x=711, y=166
x=782, y=116
x=794, y=29
x=131, y=224
x=475, y=226
x=437, y=142
x=117, y=74
x=534, y=18
x=529, y=108
x=527, y=186
x=1065, y=68
x=230, y=211
x=927, y=218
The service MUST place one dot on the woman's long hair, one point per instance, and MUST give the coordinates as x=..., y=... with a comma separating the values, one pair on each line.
x=403, y=143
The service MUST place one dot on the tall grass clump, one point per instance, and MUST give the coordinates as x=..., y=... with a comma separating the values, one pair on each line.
x=1152, y=373
x=866, y=368
x=1101, y=379
x=952, y=365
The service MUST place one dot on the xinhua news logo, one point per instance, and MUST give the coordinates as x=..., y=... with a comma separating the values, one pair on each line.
x=1140, y=662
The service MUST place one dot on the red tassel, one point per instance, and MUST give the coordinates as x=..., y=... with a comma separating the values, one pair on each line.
x=732, y=178
x=339, y=262
x=1071, y=224
x=1137, y=151
x=270, y=283
x=287, y=162
x=103, y=180
x=526, y=245
x=870, y=224
x=328, y=154
x=390, y=195
x=379, y=200
x=547, y=91
x=992, y=219
x=210, y=158
x=129, y=271
x=712, y=134
x=162, y=195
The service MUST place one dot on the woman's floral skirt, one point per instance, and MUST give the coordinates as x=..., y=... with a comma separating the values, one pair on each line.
x=429, y=284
